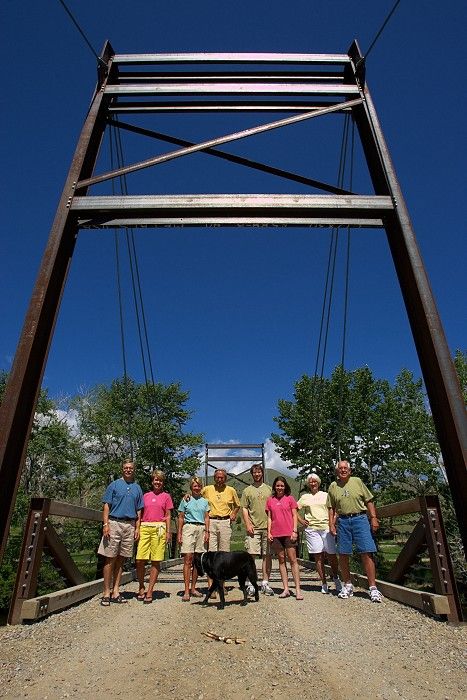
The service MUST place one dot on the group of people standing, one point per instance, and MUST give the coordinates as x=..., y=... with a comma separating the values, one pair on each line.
x=271, y=516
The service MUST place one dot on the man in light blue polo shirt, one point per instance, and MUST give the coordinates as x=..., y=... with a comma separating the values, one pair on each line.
x=123, y=502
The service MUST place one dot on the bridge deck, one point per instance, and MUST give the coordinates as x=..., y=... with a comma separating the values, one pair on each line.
x=312, y=648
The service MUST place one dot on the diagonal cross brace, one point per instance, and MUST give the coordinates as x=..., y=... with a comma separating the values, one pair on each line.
x=215, y=142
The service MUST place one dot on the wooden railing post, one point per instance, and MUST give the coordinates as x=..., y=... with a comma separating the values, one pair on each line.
x=30, y=557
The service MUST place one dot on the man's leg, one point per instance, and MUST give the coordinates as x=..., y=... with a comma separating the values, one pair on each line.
x=369, y=568
x=107, y=574
x=345, y=568
x=117, y=575
x=267, y=566
x=333, y=563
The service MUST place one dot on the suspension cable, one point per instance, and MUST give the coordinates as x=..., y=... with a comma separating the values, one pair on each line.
x=120, y=307
x=345, y=311
x=140, y=315
x=317, y=383
x=381, y=29
x=70, y=15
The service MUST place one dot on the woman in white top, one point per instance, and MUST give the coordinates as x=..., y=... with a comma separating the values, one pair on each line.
x=318, y=538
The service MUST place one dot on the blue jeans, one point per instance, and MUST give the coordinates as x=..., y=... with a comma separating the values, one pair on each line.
x=355, y=530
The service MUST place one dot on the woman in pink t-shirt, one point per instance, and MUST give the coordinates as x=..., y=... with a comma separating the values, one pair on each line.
x=282, y=508
x=154, y=534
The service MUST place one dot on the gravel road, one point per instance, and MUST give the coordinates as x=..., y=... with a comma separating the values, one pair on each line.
x=320, y=648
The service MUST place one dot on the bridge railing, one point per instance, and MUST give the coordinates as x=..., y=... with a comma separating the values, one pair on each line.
x=428, y=534
x=40, y=534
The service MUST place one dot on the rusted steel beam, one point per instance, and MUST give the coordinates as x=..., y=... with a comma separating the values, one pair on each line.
x=440, y=559
x=30, y=558
x=240, y=206
x=61, y=556
x=284, y=76
x=277, y=221
x=442, y=384
x=239, y=446
x=22, y=390
x=414, y=545
x=206, y=58
x=272, y=88
x=208, y=106
x=228, y=138
x=233, y=458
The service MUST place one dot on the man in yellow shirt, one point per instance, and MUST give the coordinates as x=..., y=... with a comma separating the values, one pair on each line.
x=224, y=505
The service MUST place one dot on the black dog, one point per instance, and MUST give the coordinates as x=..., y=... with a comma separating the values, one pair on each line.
x=220, y=566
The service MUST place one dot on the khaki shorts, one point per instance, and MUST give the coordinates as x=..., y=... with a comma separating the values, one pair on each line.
x=152, y=541
x=120, y=541
x=220, y=532
x=258, y=545
x=192, y=538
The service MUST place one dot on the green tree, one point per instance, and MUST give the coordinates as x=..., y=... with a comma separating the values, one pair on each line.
x=52, y=456
x=460, y=363
x=385, y=431
x=148, y=422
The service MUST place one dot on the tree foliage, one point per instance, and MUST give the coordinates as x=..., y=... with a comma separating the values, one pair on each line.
x=385, y=431
x=127, y=419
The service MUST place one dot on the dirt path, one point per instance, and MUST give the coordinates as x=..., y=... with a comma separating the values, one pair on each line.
x=320, y=648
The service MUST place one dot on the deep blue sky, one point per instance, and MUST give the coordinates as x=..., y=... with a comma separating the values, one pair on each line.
x=233, y=314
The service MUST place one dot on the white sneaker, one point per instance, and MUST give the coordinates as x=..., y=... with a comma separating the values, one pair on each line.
x=266, y=589
x=250, y=589
x=325, y=588
x=346, y=591
x=338, y=584
x=375, y=595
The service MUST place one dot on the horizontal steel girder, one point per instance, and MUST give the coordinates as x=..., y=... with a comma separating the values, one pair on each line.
x=219, y=106
x=273, y=58
x=228, y=88
x=231, y=209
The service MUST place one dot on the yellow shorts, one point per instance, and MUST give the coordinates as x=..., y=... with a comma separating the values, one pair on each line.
x=152, y=541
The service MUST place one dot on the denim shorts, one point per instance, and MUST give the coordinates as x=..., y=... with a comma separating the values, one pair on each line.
x=355, y=530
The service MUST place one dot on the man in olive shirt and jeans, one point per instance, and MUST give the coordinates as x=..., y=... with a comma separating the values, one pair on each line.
x=350, y=500
x=253, y=501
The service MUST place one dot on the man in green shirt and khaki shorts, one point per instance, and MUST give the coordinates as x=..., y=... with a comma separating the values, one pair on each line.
x=253, y=503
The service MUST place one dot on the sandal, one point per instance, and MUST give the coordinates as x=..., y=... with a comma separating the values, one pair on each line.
x=119, y=600
x=299, y=597
x=105, y=601
x=147, y=601
x=284, y=594
x=141, y=596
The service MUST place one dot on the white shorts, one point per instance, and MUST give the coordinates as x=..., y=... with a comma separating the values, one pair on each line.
x=318, y=541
